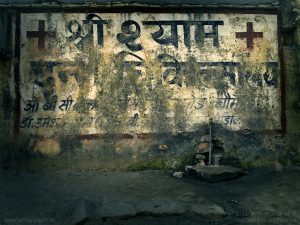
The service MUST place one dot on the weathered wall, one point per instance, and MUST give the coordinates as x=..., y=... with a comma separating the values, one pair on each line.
x=6, y=108
x=137, y=94
x=291, y=31
x=134, y=76
x=5, y=73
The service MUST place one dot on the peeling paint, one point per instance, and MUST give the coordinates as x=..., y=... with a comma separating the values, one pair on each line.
x=118, y=73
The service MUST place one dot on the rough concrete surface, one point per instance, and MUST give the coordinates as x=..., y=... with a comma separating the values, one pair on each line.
x=151, y=2
x=148, y=197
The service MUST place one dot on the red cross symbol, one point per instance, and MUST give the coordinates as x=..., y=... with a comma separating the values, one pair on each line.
x=40, y=34
x=250, y=35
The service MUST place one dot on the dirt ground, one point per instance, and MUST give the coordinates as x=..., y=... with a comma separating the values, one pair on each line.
x=261, y=197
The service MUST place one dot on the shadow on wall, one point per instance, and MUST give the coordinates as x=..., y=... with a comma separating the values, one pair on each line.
x=13, y=151
x=5, y=37
x=244, y=149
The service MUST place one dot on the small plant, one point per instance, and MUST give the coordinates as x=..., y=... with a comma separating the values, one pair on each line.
x=185, y=160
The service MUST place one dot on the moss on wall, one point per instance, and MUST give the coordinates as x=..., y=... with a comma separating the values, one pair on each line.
x=292, y=73
x=120, y=88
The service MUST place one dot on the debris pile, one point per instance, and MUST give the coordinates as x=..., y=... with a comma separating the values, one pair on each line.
x=203, y=148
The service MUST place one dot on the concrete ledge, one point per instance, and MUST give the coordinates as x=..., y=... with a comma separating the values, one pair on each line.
x=215, y=173
x=142, y=3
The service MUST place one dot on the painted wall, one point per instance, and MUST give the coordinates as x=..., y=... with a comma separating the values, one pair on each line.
x=123, y=74
x=137, y=73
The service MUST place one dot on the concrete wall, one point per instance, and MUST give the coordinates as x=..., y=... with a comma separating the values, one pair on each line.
x=291, y=29
x=96, y=98
x=125, y=80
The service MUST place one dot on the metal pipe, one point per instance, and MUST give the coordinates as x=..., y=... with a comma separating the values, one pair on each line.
x=210, y=141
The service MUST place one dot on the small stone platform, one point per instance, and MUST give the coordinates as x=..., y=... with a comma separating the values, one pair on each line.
x=214, y=173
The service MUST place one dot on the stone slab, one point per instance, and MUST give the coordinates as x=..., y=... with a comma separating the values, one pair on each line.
x=215, y=173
